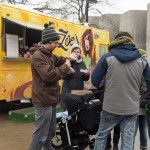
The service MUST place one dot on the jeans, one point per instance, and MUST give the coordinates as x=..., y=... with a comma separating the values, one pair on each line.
x=107, y=122
x=45, y=127
x=143, y=129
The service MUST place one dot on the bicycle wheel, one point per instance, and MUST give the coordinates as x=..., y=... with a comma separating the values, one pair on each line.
x=57, y=141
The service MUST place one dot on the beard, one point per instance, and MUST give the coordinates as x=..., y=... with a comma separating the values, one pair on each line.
x=50, y=49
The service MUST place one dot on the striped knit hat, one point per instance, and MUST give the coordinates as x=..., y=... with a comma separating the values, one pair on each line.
x=49, y=34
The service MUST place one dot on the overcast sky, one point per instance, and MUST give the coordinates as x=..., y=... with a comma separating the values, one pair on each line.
x=117, y=7
x=122, y=6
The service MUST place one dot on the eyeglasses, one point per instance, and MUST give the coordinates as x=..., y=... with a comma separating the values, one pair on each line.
x=56, y=42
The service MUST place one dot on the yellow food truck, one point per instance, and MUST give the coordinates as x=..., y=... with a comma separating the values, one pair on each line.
x=20, y=29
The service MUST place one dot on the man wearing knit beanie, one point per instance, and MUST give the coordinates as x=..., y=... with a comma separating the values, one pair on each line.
x=49, y=34
x=47, y=70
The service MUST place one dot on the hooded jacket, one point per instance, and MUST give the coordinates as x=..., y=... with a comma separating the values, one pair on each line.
x=122, y=71
x=47, y=70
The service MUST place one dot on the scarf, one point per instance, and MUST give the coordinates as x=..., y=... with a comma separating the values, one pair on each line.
x=120, y=41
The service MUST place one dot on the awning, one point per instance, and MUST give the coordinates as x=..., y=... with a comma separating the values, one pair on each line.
x=26, y=24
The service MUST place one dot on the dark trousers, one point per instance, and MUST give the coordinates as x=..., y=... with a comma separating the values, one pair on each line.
x=148, y=124
x=116, y=136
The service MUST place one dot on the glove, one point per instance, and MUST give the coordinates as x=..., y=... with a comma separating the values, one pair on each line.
x=143, y=103
x=144, y=99
x=147, y=108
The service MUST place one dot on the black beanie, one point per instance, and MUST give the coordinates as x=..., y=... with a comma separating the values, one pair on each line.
x=49, y=34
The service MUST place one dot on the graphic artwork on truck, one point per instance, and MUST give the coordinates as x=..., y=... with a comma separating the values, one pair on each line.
x=21, y=29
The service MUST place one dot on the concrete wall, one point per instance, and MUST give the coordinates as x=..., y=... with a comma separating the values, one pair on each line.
x=108, y=22
x=134, y=22
x=94, y=21
x=148, y=33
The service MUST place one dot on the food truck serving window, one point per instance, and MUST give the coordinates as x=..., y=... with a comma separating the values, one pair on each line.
x=18, y=36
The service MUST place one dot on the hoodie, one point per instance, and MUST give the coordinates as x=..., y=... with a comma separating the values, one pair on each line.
x=121, y=70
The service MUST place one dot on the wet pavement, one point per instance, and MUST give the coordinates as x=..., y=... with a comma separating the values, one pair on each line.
x=14, y=135
x=17, y=136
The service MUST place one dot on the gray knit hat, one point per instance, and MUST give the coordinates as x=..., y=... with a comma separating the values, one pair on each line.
x=49, y=34
x=74, y=46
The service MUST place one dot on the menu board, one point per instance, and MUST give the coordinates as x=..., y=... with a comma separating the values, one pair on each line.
x=12, y=45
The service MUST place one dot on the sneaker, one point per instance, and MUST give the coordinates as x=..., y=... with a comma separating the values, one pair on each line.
x=143, y=148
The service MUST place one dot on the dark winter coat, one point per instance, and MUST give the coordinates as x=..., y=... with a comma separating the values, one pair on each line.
x=47, y=70
x=74, y=81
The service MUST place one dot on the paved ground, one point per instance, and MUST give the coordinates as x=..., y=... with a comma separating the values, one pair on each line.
x=17, y=136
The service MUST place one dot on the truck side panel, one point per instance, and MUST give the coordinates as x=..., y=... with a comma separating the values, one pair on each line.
x=15, y=75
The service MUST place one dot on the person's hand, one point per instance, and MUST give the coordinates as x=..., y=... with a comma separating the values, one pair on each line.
x=68, y=63
x=144, y=99
x=87, y=73
x=72, y=57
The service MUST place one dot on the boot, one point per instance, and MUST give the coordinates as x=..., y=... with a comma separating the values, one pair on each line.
x=115, y=147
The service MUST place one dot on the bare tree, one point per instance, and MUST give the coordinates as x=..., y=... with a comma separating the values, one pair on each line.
x=15, y=1
x=72, y=9
x=2, y=1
